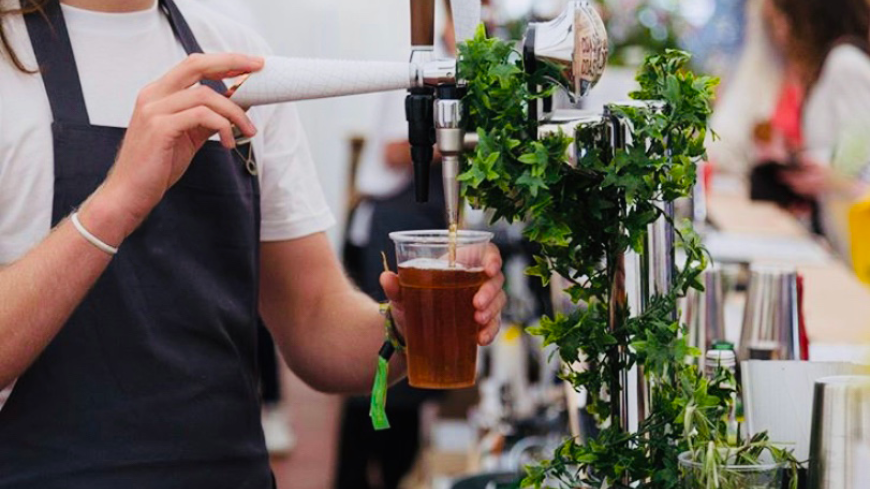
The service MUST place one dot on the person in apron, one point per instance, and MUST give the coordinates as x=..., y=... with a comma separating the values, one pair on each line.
x=131, y=328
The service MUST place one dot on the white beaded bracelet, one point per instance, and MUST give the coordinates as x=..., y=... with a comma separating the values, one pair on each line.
x=90, y=237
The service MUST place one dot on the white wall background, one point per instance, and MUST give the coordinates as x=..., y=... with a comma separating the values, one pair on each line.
x=348, y=29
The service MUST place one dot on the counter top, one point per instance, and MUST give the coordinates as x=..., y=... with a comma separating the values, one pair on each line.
x=836, y=303
x=733, y=212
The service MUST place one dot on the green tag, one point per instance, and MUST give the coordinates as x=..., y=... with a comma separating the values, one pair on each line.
x=377, y=411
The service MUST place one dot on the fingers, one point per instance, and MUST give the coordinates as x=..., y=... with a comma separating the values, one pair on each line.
x=492, y=310
x=488, y=292
x=490, y=299
x=489, y=332
x=390, y=284
x=206, y=97
x=492, y=261
x=803, y=182
x=197, y=67
x=491, y=290
x=202, y=118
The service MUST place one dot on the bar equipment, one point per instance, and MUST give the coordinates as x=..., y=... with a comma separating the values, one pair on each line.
x=771, y=321
x=704, y=311
x=576, y=40
x=841, y=419
x=641, y=276
x=778, y=398
x=638, y=277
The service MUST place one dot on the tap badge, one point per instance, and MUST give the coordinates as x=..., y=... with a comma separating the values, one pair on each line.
x=591, y=50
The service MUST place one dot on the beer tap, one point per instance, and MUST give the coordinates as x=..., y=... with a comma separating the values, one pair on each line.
x=450, y=136
x=449, y=112
x=420, y=100
x=434, y=109
x=576, y=41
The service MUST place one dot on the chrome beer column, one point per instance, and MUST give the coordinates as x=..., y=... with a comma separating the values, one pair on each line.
x=647, y=274
x=637, y=277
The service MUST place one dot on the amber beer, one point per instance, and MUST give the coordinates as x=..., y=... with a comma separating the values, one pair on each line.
x=440, y=328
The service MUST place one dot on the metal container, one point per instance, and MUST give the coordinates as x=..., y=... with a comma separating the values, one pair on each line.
x=841, y=420
x=770, y=320
x=575, y=41
x=640, y=276
x=704, y=313
x=589, y=128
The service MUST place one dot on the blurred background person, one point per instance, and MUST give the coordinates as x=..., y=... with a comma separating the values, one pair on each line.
x=759, y=98
x=828, y=44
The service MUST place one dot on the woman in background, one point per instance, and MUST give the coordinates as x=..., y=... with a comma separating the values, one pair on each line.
x=749, y=96
x=828, y=45
x=758, y=120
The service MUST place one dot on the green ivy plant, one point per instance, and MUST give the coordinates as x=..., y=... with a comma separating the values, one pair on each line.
x=583, y=219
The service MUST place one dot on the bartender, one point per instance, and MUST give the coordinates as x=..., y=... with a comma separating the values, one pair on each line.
x=136, y=260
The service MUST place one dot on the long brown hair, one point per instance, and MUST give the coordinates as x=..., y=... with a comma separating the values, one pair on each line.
x=27, y=6
x=817, y=26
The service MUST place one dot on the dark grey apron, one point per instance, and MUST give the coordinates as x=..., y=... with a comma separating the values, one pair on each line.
x=152, y=382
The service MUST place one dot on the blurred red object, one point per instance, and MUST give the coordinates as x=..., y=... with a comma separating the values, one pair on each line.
x=802, y=326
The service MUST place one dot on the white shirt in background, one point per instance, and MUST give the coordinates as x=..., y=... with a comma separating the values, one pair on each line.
x=836, y=115
x=749, y=96
x=839, y=101
x=375, y=178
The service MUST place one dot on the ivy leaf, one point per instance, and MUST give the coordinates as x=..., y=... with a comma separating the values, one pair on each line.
x=533, y=183
x=580, y=220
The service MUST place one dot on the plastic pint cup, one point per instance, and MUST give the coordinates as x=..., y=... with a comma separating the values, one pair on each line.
x=440, y=329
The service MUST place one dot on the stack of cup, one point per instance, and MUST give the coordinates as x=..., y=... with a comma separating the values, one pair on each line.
x=841, y=421
x=704, y=314
x=771, y=323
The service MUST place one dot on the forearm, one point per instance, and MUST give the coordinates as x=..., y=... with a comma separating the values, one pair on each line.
x=328, y=332
x=41, y=290
x=352, y=331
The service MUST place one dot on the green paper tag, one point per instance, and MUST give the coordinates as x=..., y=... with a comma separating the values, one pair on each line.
x=377, y=411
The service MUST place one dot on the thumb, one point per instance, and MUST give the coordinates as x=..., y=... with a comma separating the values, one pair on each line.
x=390, y=284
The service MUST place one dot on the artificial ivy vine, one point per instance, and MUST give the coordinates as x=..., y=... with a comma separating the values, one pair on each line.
x=583, y=218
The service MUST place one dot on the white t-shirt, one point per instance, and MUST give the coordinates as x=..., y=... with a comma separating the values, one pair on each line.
x=839, y=101
x=837, y=116
x=117, y=55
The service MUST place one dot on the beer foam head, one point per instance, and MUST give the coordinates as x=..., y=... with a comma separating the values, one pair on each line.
x=433, y=264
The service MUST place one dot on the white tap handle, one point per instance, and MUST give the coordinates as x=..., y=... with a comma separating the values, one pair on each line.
x=466, y=18
x=291, y=79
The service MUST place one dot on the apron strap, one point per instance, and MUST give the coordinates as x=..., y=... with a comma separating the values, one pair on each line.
x=54, y=54
x=187, y=39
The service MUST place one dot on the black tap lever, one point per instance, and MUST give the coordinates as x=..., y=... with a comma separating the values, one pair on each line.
x=421, y=134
